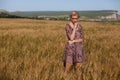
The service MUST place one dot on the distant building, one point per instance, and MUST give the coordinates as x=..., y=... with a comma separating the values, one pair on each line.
x=113, y=16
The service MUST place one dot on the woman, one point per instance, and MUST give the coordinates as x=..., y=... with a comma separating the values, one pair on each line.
x=74, y=52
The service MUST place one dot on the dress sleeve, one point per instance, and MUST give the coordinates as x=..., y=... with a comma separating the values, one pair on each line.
x=68, y=31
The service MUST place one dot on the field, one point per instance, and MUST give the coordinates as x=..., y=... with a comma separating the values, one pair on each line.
x=33, y=50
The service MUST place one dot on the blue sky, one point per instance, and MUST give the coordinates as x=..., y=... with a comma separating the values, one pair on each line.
x=59, y=5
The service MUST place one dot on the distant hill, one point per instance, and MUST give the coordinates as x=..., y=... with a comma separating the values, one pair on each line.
x=6, y=14
x=95, y=15
x=3, y=13
x=89, y=14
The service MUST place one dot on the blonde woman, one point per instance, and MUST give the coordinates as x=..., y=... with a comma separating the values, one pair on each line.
x=74, y=52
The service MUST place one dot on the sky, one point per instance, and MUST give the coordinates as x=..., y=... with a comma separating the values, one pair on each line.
x=59, y=5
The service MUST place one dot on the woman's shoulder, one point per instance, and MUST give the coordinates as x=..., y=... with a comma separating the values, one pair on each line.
x=80, y=26
x=67, y=25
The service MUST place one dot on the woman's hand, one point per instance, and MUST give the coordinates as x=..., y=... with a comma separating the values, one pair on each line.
x=70, y=42
x=75, y=26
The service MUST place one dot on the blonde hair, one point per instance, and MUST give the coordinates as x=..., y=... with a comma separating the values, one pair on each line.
x=74, y=13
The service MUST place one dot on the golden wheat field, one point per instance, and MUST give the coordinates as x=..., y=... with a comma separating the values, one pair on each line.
x=33, y=50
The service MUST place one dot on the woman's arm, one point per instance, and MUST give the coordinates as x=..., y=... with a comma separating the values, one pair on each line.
x=70, y=34
x=81, y=39
x=78, y=40
x=74, y=30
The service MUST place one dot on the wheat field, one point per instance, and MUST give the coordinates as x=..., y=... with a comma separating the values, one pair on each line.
x=33, y=50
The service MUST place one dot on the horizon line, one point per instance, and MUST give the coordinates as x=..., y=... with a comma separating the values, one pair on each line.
x=62, y=10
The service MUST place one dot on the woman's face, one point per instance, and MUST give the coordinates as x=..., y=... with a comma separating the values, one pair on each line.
x=74, y=19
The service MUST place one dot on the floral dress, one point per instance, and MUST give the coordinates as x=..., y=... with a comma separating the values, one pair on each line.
x=74, y=52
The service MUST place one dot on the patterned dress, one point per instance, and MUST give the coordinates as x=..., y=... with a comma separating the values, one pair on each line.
x=74, y=52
